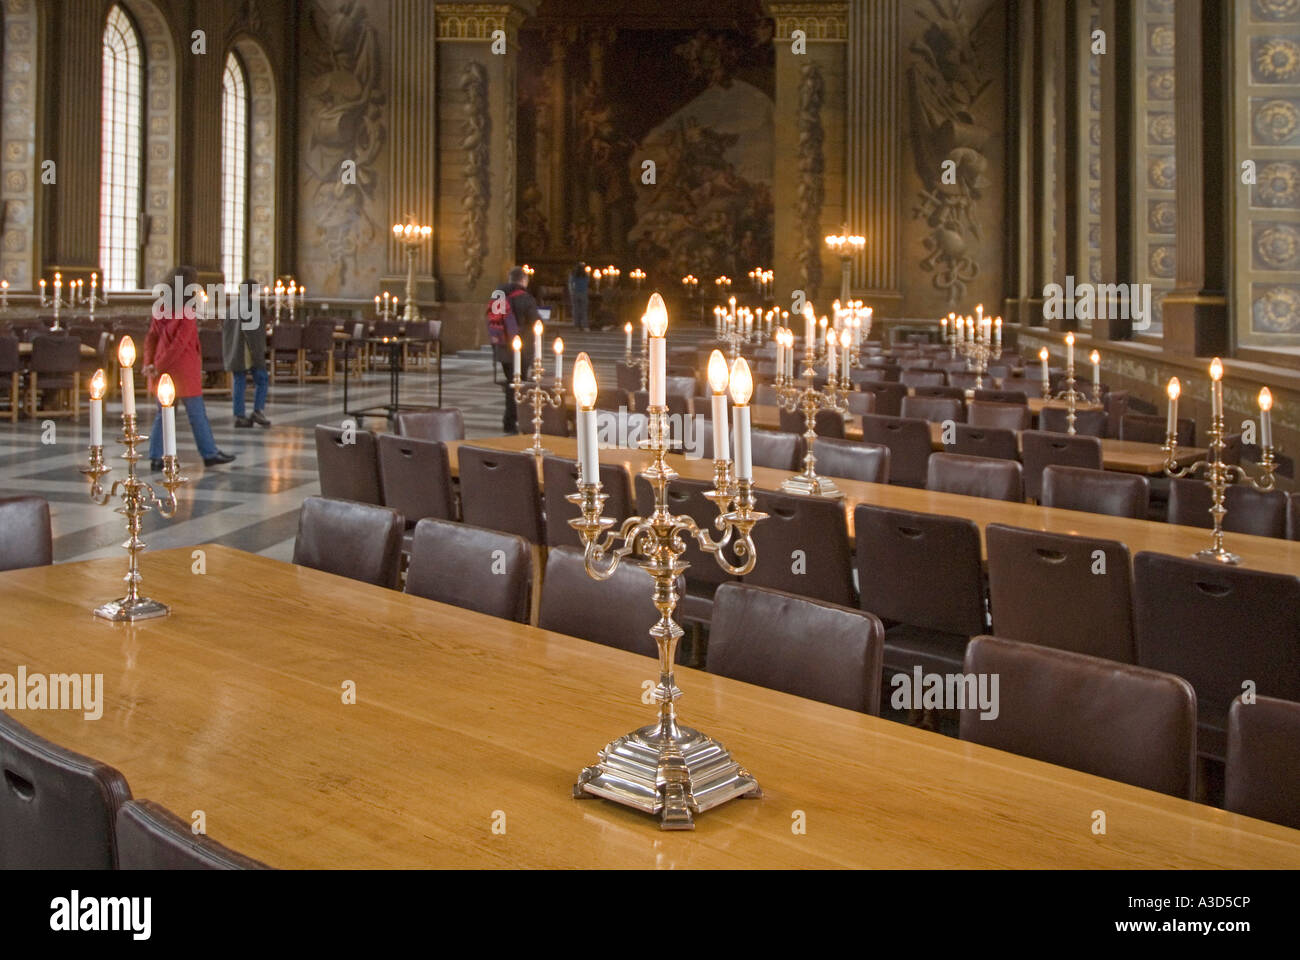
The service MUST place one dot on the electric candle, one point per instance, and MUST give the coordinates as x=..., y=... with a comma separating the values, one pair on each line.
x=1042, y=356
x=997, y=333
x=627, y=338
x=742, y=387
x=537, y=339
x=558, y=347
x=517, y=346
x=845, y=340
x=97, y=388
x=809, y=326
x=1069, y=350
x=780, y=353
x=1265, y=418
x=1171, y=421
x=584, y=392
x=831, y=340
x=656, y=322
x=1216, y=387
x=719, y=377
x=1095, y=357
x=167, y=397
x=125, y=360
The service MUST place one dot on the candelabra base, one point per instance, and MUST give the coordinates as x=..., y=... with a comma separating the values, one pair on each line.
x=811, y=486
x=675, y=776
x=1218, y=555
x=128, y=610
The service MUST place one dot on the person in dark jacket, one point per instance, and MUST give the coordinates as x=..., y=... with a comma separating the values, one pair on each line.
x=578, y=281
x=521, y=314
x=243, y=349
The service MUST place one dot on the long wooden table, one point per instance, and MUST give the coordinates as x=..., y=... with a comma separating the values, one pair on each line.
x=1263, y=553
x=233, y=705
x=1125, y=456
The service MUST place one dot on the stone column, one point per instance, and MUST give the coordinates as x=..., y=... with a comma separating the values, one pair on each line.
x=873, y=150
x=1026, y=304
x=808, y=192
x=1116, y=159
x=1196, y=311
x=199, y=167
x=476, y=143
x=20, y=172
x=1058, y=140
x=413, y=155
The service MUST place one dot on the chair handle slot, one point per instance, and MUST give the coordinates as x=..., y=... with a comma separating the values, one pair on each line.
x=912, y=533
x=21, y=786
x=1213, y=589
x=1051, y=556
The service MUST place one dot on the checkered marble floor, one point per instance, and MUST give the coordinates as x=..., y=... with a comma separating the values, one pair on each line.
x=252, y=504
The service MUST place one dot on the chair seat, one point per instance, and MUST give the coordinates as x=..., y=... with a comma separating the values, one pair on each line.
x=907, y=647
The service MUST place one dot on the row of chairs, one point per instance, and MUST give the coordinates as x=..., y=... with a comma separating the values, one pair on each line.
x=1135, y=723
x=53, y=376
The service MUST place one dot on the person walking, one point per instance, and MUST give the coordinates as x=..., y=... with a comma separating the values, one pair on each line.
x=244, y=350
x=578, y=281
x=172, y=347
x=512, y=312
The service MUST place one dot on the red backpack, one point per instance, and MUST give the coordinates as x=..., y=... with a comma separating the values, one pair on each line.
x=502, y=323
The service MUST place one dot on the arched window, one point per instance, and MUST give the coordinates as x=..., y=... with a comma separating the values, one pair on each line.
x=234, y=172
x=123, y=125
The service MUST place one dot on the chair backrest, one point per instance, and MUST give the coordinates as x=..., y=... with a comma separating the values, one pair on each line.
x=1262, y=775
x=151, y=837
x=860, y=403
x=210, y=349
x=790, y=643
x=1150, y=428
x=1004, y=416
x=1217, y=626
x=1259, y=512
x=628, y=378
x=964, y=379
x=826, y=423
x=806, y=539
x=888, y=398
x=779, y=451
x=986, y=442
x=918, y=362
x=498, y=490
x=618, y=612
x=10, y=361
x=1056, y=590
x=932, y=390
x=687, y=497
x=1112, y=720
x=483, y=570
x=1040, y=449
x=1293, y=516
x=1088, y=423
x=912, y=377
x=318, y=336
x=852, y=460
x=287, y=337
x=25, y=537
x=933, y=409
x=1095, y=491
x=870, y=375
x=560, y=478
x=355, y=540
x=415, y=477
x=56, y=807
x=902, y=556
x=348, y=464
x=445, y=424
x=1002, y=396
x=56, y=354
x=989, y=477
x=909, y=446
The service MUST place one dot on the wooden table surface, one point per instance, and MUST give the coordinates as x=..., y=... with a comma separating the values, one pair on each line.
x=1124, y=456
x=1263, y=553
x=233, y=705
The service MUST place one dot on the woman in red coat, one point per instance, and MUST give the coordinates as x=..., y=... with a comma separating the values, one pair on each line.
x=172, y=347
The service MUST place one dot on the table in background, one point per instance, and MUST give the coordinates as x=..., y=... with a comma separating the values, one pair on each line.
x=396, y=367
x=233, y=705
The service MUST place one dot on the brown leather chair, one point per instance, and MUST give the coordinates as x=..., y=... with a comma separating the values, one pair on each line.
x=1109, y=719
x=11, y=368
x=348, y=471
x=415, y=477
x=55, y=366
x=887, y=398
x=25, y=536
x=218, y=380
x=1095, y=491
x=806, y=541
x=560, y=478
x=1088, y=423
x=318, y=351
x=498, y=491
x=1049, y=589
x=1262, y=778
x=1040, y=449
x=1261, y=513
x=799, y=646
x=852, y=460
x=151, y=837
x=56, y=807
x=917, y=361
x=1150, y=428
x=985, y=395
x=617, y=612
x=473, y=568
x=933, y=409
x=990, y=442
x=1217, y=626
x=860, y=403
x=870, y=375
x=286, y=348
x=779, y=451
x=1293, y=516
x=826, y=423
x=913, y=376
x=987, y=477
x=964, y=379
x=1003, y=416
x=935, y=390
x=354, y=540
x=908, y=441
x=922, y=575
x=444, y=425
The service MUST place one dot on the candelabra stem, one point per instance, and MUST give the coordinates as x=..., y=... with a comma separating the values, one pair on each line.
x=412, y=313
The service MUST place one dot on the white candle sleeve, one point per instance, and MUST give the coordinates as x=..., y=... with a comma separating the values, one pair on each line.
x=1096, y=374
x=128, y=392
x=1216, y=390
x=721, y=439
x=744, y=462
x=96, y=422
x=1266, y=428
x=537, y=343
x=589, y=459
x=1045, y=376
x=658, y=370
x=169, y=431
x=559, y=368
x=1171, y=425
x=518, y=363
x=627, y=345
x=780, y=358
